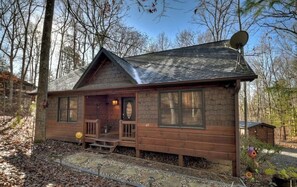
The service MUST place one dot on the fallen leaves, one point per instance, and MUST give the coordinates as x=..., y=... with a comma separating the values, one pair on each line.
x=24, y=164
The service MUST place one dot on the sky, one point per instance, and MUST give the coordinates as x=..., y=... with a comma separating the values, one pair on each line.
x=177, y=17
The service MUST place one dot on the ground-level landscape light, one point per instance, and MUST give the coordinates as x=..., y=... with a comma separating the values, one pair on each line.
x=98, y=169
x=151, y=180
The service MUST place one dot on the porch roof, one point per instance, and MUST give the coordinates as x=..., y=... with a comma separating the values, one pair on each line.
x=206, y=62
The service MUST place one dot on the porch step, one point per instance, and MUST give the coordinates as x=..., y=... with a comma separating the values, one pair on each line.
x=99, y=145
x=105, y=145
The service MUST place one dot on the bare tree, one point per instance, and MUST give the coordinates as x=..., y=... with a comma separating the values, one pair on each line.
x=63, y=25
x=26, y=9
x=218, y=16
x=162, y=43
x=205, y=37
x=34, y=54
x=10, y=41
x=185, y=38
x=126, y=41
x=43, y=73
x=97, y=18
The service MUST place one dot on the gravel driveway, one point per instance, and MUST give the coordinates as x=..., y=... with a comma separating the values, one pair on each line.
x=287, y=157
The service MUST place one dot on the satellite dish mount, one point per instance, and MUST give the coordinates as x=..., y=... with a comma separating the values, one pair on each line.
x=239, y=39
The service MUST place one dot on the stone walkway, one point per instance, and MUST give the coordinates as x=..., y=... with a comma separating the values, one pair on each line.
x=132, y=174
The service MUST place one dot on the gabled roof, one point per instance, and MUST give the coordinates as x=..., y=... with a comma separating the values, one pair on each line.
x=199, y=63
x=5, y=76
x=206, y=62
x=253, y=124
x=66, y=82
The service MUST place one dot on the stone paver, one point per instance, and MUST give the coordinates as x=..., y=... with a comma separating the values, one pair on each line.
x=134, y=174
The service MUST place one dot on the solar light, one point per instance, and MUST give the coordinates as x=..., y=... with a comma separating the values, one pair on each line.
x=151, y=180
x=99, y=168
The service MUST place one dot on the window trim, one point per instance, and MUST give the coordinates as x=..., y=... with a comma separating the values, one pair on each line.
x=68, y=109
x=180, y=109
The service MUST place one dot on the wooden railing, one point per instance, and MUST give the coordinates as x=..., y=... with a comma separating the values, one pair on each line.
x=127, y=130
x=92, y=128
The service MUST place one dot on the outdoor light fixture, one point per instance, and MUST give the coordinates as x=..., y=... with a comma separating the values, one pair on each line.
x=115, y=102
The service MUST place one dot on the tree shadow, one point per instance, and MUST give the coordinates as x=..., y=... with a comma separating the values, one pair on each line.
x=41, y=168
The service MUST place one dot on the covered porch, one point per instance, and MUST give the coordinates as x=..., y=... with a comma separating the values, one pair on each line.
x=109, y=121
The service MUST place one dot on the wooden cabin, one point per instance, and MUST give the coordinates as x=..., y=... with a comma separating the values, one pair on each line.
x=181, y=101
x=27, y=87
x=262, y=131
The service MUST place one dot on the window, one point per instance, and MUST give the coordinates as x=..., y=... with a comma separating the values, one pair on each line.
x=67, y=109
x=181, y=108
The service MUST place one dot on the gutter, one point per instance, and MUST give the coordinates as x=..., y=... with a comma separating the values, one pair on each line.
x=160, y=84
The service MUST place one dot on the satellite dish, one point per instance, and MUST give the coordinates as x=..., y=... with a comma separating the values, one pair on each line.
x=239, y=39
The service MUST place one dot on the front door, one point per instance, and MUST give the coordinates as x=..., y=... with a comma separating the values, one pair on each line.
x=128, y=109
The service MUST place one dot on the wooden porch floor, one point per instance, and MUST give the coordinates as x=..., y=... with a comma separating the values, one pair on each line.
x=107, y=139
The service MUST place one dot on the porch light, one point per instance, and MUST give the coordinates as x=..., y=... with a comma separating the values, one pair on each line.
x=115, y=102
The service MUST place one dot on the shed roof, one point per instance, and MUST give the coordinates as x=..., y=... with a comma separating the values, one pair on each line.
x=253, y=124
x=199, y=63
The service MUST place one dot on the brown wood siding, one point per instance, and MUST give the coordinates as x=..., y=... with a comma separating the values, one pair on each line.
x=209, y=143
x=64, y=131
x=96, y=108
x=147, y=107
x=219, y=106
x=108, y=76
x=217, y=141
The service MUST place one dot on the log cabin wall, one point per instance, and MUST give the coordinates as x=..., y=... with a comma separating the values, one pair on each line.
x=216, y=141
x=64, y=131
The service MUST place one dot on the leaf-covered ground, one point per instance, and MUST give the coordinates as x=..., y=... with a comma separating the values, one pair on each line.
x=25, y=164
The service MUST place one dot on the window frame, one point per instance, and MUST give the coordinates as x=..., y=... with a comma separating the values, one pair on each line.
x=68, y=109
x=180, y=110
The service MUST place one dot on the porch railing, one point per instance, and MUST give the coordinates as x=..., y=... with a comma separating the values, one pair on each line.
x=92, y=128
x=127, y=130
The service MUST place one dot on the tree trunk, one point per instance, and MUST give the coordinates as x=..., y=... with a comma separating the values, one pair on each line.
x=40, y=133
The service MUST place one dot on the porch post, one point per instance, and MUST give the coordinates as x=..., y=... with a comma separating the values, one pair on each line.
x=84, y=122
x=98, y=128
x=181, y=162
x=120, y=130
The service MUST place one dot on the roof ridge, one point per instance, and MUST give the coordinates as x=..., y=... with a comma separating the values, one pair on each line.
x=178, y=48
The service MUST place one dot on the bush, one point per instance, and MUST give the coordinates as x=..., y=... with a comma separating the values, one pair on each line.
x=254, y=155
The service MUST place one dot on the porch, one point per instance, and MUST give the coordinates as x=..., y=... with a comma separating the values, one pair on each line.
x=109, y=121
x=107, y=141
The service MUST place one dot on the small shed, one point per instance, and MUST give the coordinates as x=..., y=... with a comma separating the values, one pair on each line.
x=261, y=131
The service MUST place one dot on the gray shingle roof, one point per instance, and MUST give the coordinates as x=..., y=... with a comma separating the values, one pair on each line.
x=252, y=124
x=206, y=62
x=201, y=62
x=66, y=82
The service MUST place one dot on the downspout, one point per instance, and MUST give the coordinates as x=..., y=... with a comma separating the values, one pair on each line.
x=236, y=171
